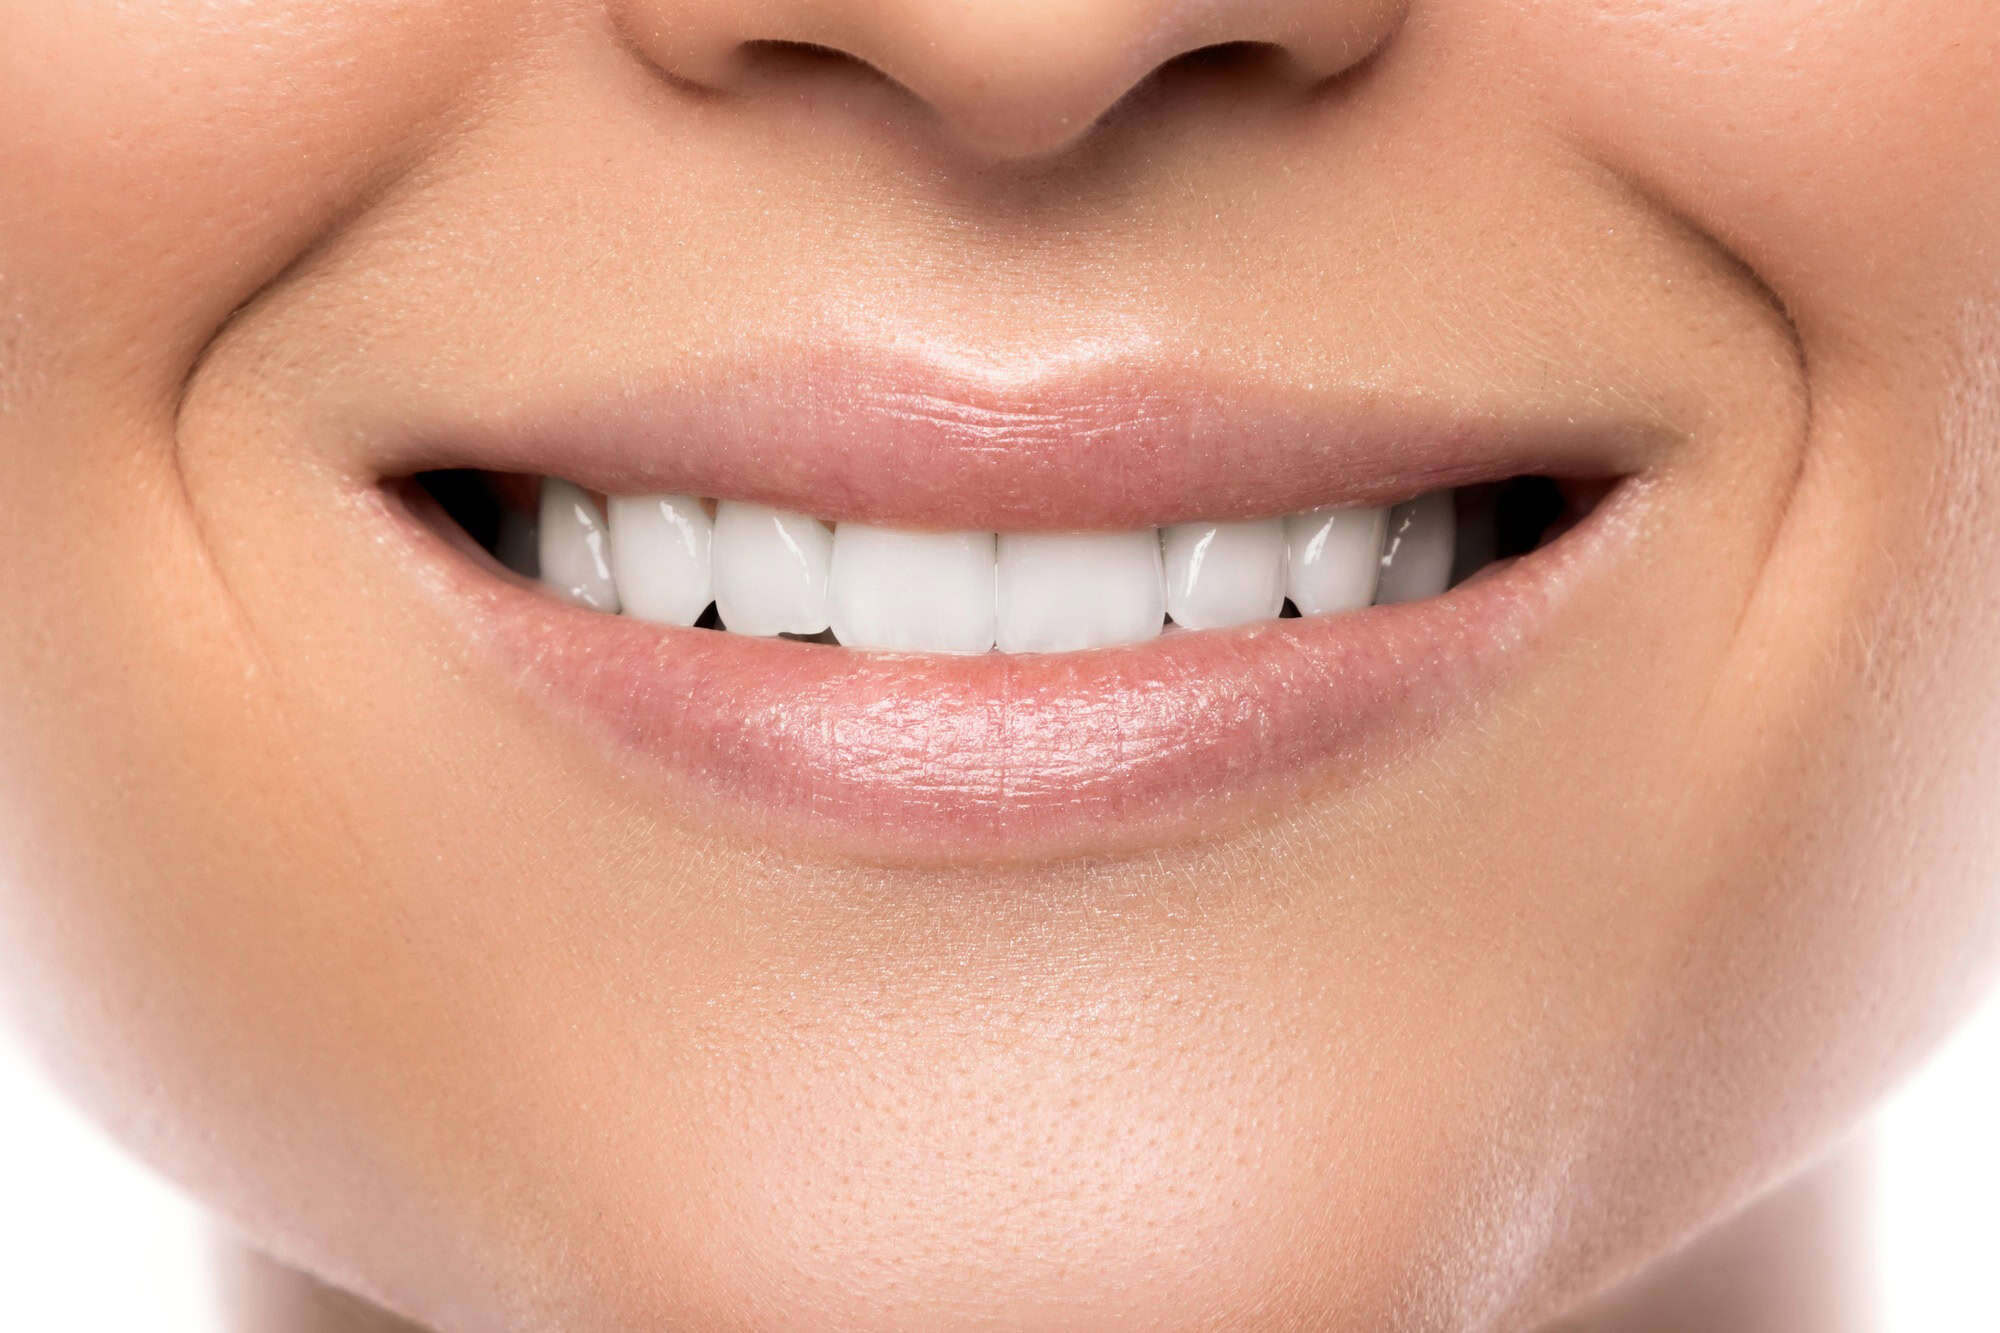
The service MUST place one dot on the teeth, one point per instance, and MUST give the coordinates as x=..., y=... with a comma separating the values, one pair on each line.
x=917, y=592
x=573, y=551
x=767, y=571
x=770, y=570
x=1222, y=574
x=1333, y=558
x=660, y=554
x=1416, y=556
x=1062, y=592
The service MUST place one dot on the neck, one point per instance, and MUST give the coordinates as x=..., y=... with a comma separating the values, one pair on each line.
x=1794, y=1261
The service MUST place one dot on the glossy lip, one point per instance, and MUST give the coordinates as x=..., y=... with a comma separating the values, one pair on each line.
x=948, y=760
x=937, y=760
x=851, y=433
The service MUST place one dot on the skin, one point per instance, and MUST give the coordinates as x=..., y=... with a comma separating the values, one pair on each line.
x=425, y=998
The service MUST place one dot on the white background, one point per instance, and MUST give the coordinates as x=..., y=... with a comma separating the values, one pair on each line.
x=90, y=1243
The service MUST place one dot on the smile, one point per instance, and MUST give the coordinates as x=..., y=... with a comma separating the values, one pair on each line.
x=1051, y=682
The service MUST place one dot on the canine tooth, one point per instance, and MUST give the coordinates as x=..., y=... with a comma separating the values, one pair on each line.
x=1416, y=556
x=660, y=548
x=914, y=592
x=574, y=552
x=1221, y=574
x=1059, y=592
x=1333, y=558
x=770, y=569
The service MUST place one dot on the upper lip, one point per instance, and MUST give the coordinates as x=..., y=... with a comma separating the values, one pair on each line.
x=847, y=432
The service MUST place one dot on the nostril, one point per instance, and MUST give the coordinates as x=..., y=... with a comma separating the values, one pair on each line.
x=1239, y=57
x=777, y=58
x=1023, y=101
x=1010, y=81
x=1232, y=69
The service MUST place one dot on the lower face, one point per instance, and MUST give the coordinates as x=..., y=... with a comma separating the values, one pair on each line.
x=1032, y=929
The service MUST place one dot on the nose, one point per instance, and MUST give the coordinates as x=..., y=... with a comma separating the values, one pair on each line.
x=1006, y=79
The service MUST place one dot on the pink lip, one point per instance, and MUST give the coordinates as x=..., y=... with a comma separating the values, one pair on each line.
x=853, y=433
x=941, y=759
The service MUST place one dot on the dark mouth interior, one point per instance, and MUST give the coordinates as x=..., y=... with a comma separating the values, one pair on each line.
x=1496, y=520
x=471, y=499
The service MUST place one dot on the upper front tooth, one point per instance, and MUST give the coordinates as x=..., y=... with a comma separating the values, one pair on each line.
x=1221, y=574
x=1060, y=592
x=912, y=592
x=1333, y=558
x=770, y=569
x=1416, y=557
x=575, y=560
x=660, y=547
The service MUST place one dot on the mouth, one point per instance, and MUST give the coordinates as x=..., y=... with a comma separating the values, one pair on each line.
x=1008, y=630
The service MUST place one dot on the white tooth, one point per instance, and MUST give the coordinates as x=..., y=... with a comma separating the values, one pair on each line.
x=912, y=592
x=1416, y=556
x=1333, y=557
x=660, y=555
x=575, y=555
x=1221, y=574
x=770, y=570
x=1059, y=592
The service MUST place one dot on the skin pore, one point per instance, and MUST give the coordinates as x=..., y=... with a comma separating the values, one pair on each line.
x=426, y=994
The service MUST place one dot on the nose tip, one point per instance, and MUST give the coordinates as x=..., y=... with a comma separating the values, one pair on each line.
x=1010, y=80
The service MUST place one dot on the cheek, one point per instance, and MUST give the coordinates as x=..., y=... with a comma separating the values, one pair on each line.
x=184, y=153
x=1846, y=153
x=1845, y=763
x=1830, y=876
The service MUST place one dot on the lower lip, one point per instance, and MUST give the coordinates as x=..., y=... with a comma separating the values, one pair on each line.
x=935, y=759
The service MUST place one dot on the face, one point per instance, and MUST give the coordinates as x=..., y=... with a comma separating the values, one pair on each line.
x=1423, y=965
